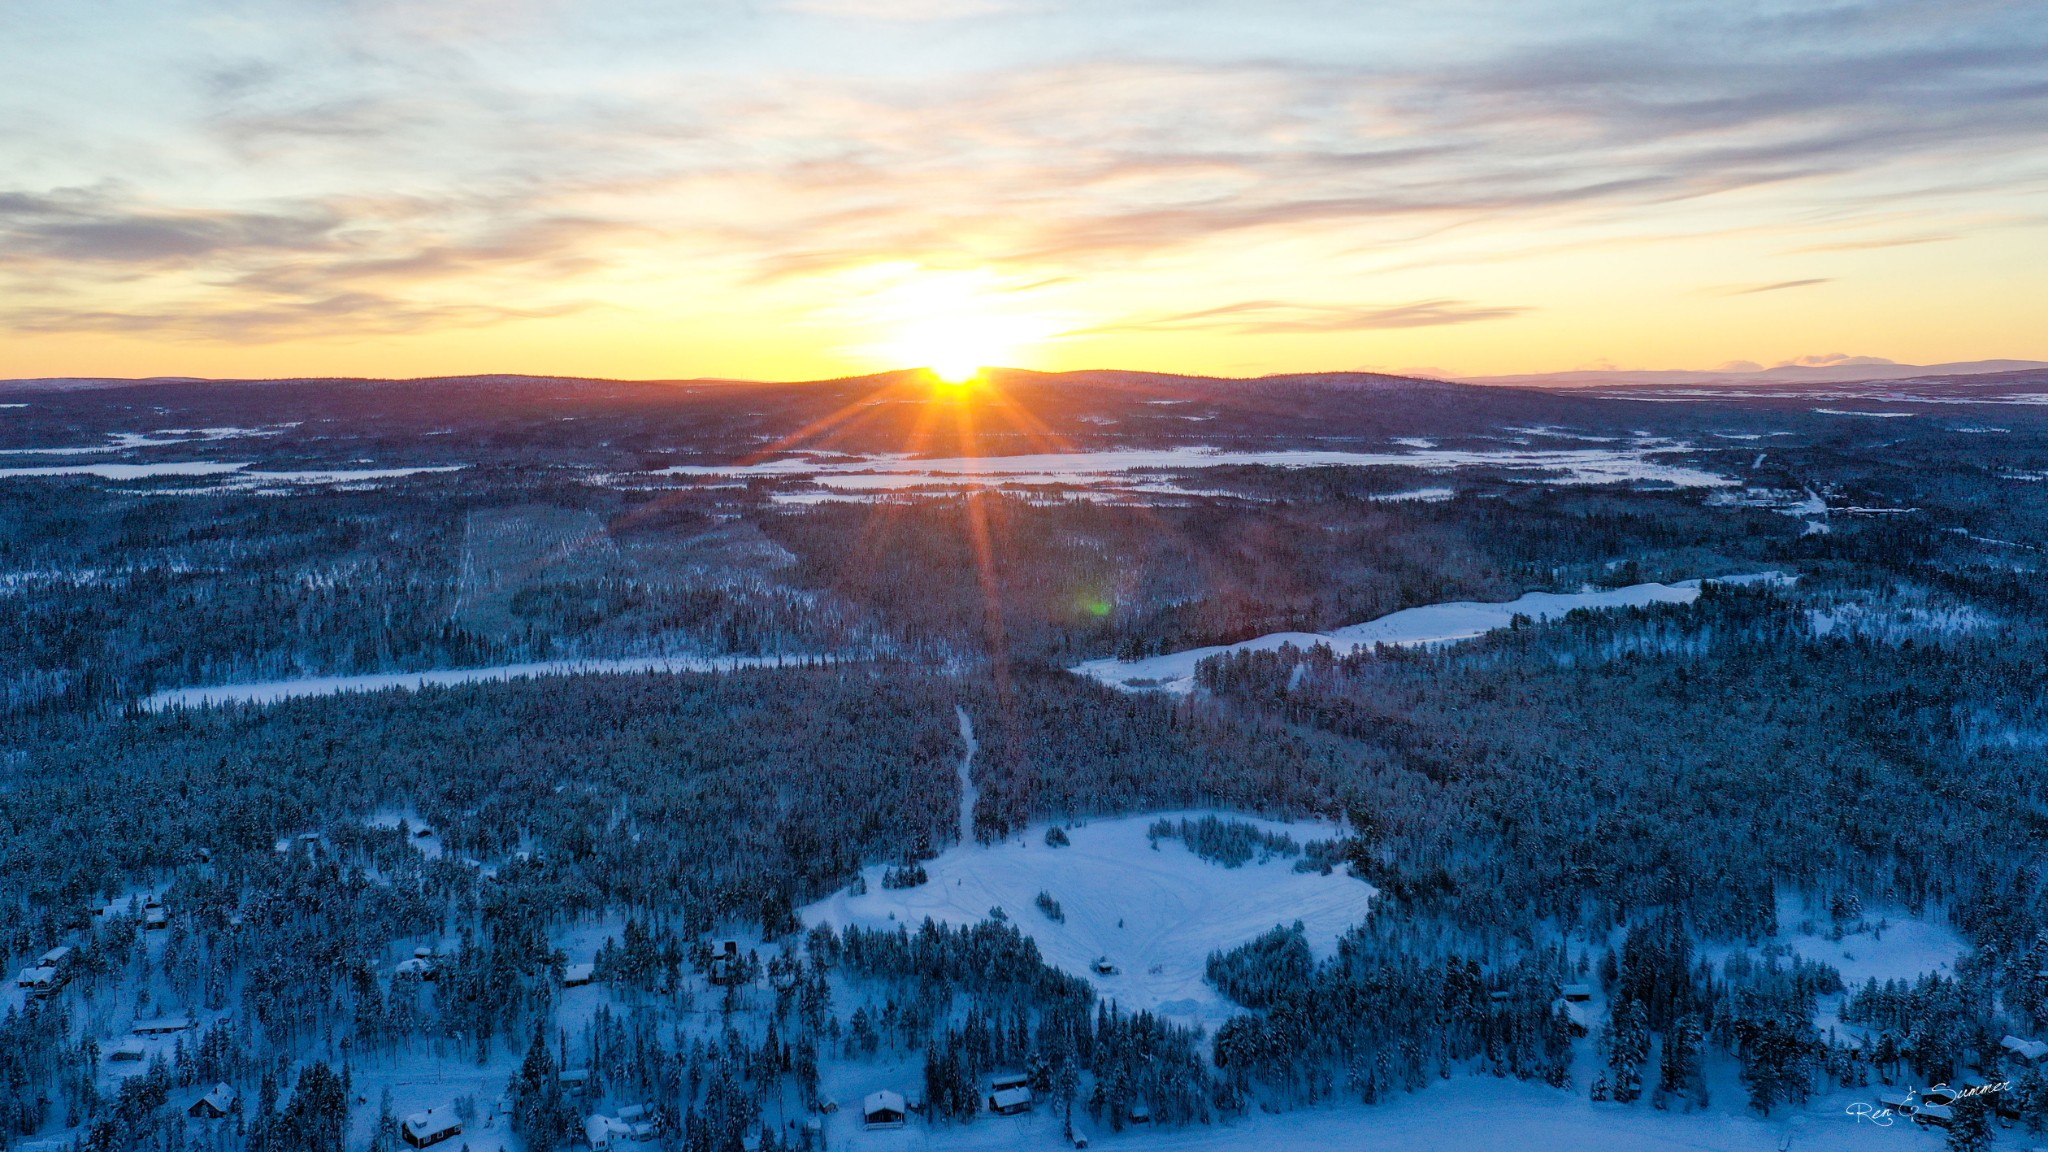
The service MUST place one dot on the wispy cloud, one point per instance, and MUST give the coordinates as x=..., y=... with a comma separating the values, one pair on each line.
x=1280, y=317
x=1780, y=286
x=450, y=161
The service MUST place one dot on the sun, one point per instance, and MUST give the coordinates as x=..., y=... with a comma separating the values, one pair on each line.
x=954, y=324
x=955, y=372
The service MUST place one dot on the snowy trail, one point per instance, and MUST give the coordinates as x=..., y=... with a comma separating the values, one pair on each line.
x=1410, y=627
x=968, y=793
x=272, y=691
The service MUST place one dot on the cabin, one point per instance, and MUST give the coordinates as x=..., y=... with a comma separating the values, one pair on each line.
x=634, y=1125
x=597, y=1132
x=1010, y=1101
x=422, y=1129
x=162, y=1026
x=1578, y=1016
x=424, y=969
x=41, y=980
x=58, y=958
x=575, y=1080
x=127, y=1051
x=2030, y=1051
x=606, y=1133
x=1141, y=1113
x=725, y=963
x=1898, y=1103
x=155, y=918
x=577, y=975
x=883, y=1109
x=1577, y=993
x=215, y=1104
x=1934, y=1115
x=1103, y=967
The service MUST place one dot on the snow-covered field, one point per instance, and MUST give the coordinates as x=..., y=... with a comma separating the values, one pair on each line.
x=272, y=691
x=1429, y=624
x=1156, y=914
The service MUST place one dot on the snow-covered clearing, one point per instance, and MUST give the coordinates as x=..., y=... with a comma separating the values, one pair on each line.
x=896, y=472
x=270, y=692
x=1155, y=914
x=1429, y=624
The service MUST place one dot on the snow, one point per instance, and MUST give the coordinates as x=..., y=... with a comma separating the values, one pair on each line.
x=896, y=471
x=270, y=692
x=1892, y=944
x=1418, y=495
x=1464, y=1114
x=1410, y=627
x=968, y=792
x=1154, y=913
x=237, y=473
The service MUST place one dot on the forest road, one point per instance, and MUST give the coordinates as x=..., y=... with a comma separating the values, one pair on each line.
x=968, y=795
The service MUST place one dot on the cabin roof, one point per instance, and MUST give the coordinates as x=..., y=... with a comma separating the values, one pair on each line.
x=433, y=1120
x=882, y=1101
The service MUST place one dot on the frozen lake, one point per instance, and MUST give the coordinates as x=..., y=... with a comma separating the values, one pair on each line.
x=272, y=691
x=883, y=473
x=1429, y=624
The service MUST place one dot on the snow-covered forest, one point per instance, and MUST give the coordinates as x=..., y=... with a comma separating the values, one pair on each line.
x=1751, y=865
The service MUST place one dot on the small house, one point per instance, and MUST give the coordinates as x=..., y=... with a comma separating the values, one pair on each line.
x=127, y=1051
x=215, y=1104
x=162, y=1025
x=577, y=975
x=1141, y=1113
x=575, y=1079
x=599, y=1131
x=883, y=1109
x=1577, y=993
x=1899, y=1103
x=725, y=965
x=1010, y=1101
x=41, y=980
x=155, y=919
x=2030, y=1051
x=424, y=969
x=1103, y=967
x=1934, y=1115
x=422, y=1129
x=58, y=958
x=1578, y=1017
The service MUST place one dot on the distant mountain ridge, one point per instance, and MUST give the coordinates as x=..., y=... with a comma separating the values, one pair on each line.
x=1846, y=373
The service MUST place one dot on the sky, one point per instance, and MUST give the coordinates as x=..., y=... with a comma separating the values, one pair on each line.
x=799, y=189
